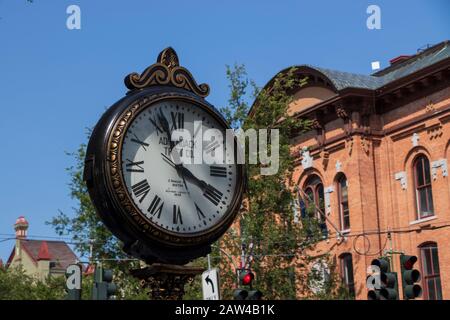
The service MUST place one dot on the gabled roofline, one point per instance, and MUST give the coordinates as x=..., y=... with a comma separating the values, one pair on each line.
x=35, y=261
x=421, y=73
x=412, y=59
x=11, y=256
x=320, y=80
x=305, y=70
x=373, y=85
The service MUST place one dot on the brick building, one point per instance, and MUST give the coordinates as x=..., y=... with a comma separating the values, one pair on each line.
x=375, y=163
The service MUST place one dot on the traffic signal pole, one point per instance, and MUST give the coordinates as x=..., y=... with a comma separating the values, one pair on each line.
x=103, y=288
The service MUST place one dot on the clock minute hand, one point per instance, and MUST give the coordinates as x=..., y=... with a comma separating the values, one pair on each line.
x=165, y=125
x=190, y=176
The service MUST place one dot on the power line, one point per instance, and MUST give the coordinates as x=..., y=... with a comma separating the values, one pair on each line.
x=356, y=236
x=36, y=236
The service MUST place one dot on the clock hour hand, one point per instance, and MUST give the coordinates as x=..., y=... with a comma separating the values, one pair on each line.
x=209, y=191
x=171, y=163
x=184, y=172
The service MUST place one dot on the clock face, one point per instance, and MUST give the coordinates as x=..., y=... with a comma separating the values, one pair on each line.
x=179, y=198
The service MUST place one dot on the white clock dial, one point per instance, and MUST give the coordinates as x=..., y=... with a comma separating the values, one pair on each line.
x=191, y=200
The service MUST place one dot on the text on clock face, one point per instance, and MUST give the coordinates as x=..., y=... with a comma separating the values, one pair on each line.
x=172, y=192
x=199, y=143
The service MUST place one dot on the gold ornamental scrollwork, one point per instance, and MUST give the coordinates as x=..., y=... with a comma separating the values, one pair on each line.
x=166, y=71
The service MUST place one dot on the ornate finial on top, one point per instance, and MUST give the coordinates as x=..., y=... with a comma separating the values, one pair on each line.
x=166, y=72
x=169, y=58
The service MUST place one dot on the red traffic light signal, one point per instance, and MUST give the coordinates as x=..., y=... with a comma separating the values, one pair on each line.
x=247, y=278
x=408, y=262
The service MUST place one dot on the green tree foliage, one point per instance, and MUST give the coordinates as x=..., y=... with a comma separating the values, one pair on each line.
x=280, y=247
x=90, y=236
x=84, y=226
x=15, y=284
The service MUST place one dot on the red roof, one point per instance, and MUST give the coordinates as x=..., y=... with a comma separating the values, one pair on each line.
x=58, y=252
x=43, y=253
x=90, y=269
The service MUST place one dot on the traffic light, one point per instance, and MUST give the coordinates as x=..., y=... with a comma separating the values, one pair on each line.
x=410, y=276
x=254, y=295
x=103, y=288
x=246, y=279
x=240, y=294
x=388, y=284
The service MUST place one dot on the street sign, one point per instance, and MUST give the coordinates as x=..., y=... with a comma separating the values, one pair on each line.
x=210, y=284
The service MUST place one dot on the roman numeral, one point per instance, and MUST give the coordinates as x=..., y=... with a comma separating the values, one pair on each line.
x=157, y=127
x=138, y=141
x=218, y=171
x=177, y=214
x=156, y=206
x=177, y=120
x=212, y=194
x=134, y=166
x=200, y=214
x=141, y=189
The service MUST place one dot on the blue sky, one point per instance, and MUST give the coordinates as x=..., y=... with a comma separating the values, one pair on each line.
x=55, y=82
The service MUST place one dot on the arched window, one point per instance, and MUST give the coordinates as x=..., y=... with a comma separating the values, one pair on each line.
x=422, y=184
x=314, y=194
x=430, y=271
x=312, y=201
x=346, y=264
x=344, y=212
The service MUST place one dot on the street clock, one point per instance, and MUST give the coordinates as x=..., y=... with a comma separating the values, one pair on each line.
x=161, y=208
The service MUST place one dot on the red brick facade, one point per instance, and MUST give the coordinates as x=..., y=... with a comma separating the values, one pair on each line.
x=371, y=132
